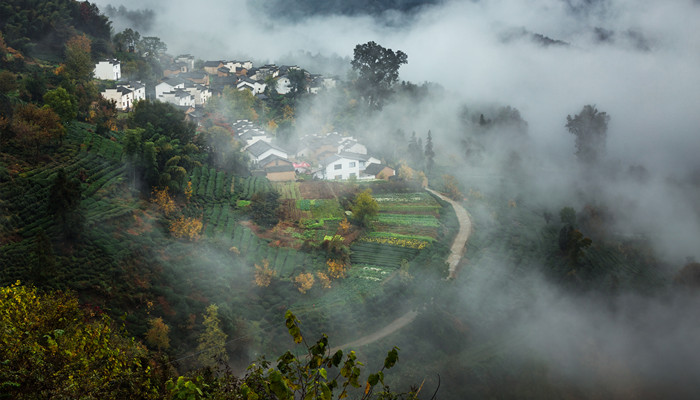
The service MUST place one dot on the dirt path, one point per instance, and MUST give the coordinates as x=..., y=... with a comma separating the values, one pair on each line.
x=456, y=252
x=460, y=242
x=381, y=333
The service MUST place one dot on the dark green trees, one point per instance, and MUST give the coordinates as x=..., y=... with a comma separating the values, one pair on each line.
x=64, y=204
x=590, y=128
x=378, y=70
x=263, y=207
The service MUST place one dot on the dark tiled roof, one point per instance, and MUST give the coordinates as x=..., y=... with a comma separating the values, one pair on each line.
x=374, y=169
x=280, y=168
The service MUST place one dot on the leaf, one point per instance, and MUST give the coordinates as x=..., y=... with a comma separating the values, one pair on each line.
x=391, y=358
x=323, y=373
x=337, y=358
x=373, y=379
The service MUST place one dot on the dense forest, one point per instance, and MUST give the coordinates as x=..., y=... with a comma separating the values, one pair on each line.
x=140, y=257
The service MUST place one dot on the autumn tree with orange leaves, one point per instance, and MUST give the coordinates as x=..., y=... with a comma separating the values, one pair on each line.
x=264, y=274
x=304, y=282
x=184, y=227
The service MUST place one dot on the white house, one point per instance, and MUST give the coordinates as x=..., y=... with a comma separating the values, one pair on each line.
x=261, y=149
x=168, y=85
x=284, y=85
x=126, y=95
x=345, y=166
x=201, y=93
x=178, y=97
x=121, y=96
x=351, y=145
x=251, y=136
x=108, y=69
x=254, y=86
x=232, y=65
x=187, y=59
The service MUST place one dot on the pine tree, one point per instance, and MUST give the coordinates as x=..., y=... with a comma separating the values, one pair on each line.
x=429, y=153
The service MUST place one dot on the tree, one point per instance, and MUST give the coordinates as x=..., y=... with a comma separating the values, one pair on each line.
x=264, y=274
x=151, y=47
x=52, y=347
x=64, y=204
x=186, y=227
x=378, y=70
x=263, y=207
x=364, y=208
x=567, y=215
x=157, y=334
x=79, y=64
x=297, y=80
x=36, y=127
x=304, y=282
x=212, y=342
x=429, y=153
x=164, y=119
x=63, y=103
x=126, y=40
x=590, y=128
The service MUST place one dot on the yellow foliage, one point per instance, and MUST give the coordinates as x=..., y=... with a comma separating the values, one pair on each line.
x=344, y=225
x=162, y=199
x=264, y=274
x=186, y=227
x=157, y=334
x=304, y=282
x=405, y=172
x=324, y=280
x=188, y=190
x=512, y=203
x=336, y=269
x=272, y=125
x=235, y=250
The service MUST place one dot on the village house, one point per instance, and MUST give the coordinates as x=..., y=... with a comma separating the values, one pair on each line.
x=168, y=85
x=210, y=67
x=254, y=86
x=201, y=93
x=198, y=77
x=186, y=59
x=378, y=171
x=178, y=97
x=261, y=149
x=125, y=96
x=284, y=85
x=281, y=173
x=108, y=70
x=344, y=166
x=236, y=65
x=251, y=136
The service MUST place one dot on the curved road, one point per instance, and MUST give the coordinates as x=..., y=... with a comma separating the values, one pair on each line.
x=456, y=252
x=460, y=242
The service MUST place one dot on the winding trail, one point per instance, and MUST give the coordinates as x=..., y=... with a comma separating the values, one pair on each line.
x=456, y=252
x=465, y=230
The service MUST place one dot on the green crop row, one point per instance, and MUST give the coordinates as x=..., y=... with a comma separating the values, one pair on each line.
x=408, y=219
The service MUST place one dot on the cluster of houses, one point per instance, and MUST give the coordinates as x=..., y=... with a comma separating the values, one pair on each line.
x=188, y=88
x=328, y=156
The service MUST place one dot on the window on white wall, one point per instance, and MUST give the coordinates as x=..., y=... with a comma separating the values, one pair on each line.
x=338, y=166
x=352, y=164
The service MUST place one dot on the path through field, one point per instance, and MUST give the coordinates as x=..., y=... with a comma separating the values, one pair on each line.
x=460, y=242
x=456, y=252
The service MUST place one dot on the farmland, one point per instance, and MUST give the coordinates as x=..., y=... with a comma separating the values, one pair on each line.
x=126, y=254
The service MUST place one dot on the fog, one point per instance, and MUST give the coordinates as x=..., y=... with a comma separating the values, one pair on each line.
x=642, y=71
x=638, y=61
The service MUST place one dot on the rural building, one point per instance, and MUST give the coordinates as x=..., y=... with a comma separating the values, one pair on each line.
x=108, y=70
